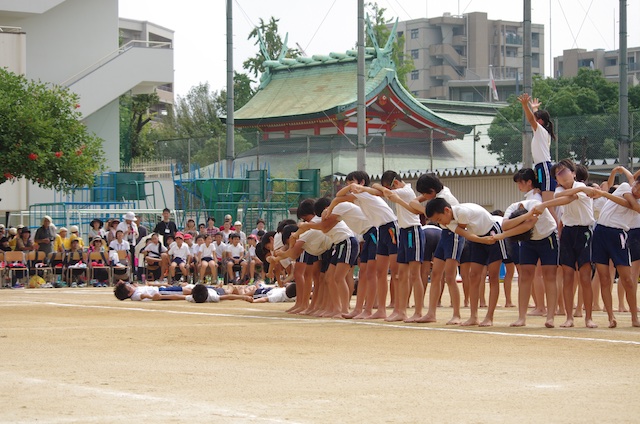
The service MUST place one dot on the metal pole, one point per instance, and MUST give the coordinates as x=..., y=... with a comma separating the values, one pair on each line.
x=189, y=155
x=557, y=131
x=258, y=153
x=308, y=152
x=383, y=151
x=230, y=105
x=361, y=152
x=431, y=148
x=623, y=151
x=528, y=82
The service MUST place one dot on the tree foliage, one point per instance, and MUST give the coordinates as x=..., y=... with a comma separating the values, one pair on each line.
x=41, y=136
x=586, y=108
x=404, y=63
x=135, y=115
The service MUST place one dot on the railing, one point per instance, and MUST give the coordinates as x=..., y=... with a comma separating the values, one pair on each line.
x=10, y=29
x=106, y=59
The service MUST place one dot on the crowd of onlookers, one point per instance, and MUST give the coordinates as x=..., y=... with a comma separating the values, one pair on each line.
x=130, y=251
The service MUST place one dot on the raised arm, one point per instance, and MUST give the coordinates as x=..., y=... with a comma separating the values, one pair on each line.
x=528, y=113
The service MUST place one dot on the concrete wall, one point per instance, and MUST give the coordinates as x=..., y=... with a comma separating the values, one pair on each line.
x=13, y=52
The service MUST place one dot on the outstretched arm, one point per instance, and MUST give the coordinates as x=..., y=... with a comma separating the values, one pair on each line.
x=414, y=206
x=528, y=113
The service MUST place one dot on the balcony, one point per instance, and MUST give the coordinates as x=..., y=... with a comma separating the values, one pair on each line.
x=448, y=53
x=137, y=67
x=444, y=72
x=440, y=92
x=514, y=39
x=459, y=40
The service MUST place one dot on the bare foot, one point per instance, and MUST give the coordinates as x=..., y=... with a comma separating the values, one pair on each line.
x=597, y=308
x=568, y=323
x=519, y=323
x=486, y=323
x=549, y=323
x=454, y=321
x=396, y=318
x=363, y=315
x=537, y=313
x=336, y=316
x=635, y=323
x=483, y=305
x=378, y=315
x=413, y=318
x=469, y=322
x=590, y=324
x=577, y=313
x=613, y=323
x=391, y=317
x=427, y=318
x=248, y=299
x=509, y=305
x=622, y=309
x=352, y=314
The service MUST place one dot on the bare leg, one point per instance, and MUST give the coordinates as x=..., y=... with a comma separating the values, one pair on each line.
x=451, y=274
x=605, y=285
x=567, y=291
x=382, y=267
x=538, y=290
x=418, y=290
x=630, y=288
x=301, y=284
x=400, y=307
x=371, y=289
x=437, y=274
x=494, y=291
x=464, y=273
x=506, y=284
x=476, y=274
x=483, y=288
x=595, y=288
x=550, y=274
x=621, y=292
x=525, y=281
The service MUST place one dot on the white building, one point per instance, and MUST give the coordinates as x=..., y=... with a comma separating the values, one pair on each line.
x=76, y=43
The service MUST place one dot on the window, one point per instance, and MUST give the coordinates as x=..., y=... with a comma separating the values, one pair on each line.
x=535, y=60
x=612, y=61
x=414, y=34
x=415, y=54
x=535, y=39
x=585, y=63
x=400, y=34
x=415, y=74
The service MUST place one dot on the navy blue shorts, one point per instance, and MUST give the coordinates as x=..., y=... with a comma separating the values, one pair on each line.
x=465, y=256
x=325, y=258
x=543, y=174
x=345, y=252
x=261, y=292
x=610, y=243
x=410, y=245
x=207, y=259
x=634, y=243
x=431, y=240
x=450, y=246
x=177, y=261
x=370, y=245
x=307, y=258
x=388, y=239
x=513, y=252
x=575, y=246
x=545, y=250
x=486, y=254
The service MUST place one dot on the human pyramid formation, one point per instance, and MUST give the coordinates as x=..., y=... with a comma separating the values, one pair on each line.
x=562, y=223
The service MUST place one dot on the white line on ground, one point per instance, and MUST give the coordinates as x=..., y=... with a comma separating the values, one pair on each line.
x=351, y=322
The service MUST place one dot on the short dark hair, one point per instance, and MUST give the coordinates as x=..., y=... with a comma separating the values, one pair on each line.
x=320, y=205
x=358, y=176
x=200, y=293
x=260, y=252
x=305, y=207
x=387, y=178
x=497, y=212
x=435, y=206
x=259, y=221
x=260, y=233
x=287, y=231
x=429, y=183
x=565, y=163
x=527, y=234
x=290, y=291
x=121, y=291
x=234, y=235
x=166, y=210
x=211, y=219
x=582, y=173
x=286, y=222
x=526, y=174
x=266, y=236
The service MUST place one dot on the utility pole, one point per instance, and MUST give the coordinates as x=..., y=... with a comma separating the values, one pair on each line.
x=528, y=83
x=230, y=105
x=361, y=152
x=623, y=149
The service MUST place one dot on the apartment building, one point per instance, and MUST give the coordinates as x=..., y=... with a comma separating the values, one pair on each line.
x=571, y=60
x=453, y=56
x=76, y=43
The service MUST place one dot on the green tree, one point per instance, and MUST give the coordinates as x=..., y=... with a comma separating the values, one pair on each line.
x=135, y=114
x=404, y=63
x=272, y=43
x=41, y=136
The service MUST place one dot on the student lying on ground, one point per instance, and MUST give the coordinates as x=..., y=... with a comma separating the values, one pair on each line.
x=124, y=290
x=202, y=294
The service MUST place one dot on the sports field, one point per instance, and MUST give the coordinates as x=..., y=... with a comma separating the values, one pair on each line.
x=81, y=356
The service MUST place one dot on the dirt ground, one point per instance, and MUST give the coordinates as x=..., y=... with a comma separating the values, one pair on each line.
x=81, y=356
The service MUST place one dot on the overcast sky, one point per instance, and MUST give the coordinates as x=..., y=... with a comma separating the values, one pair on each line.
x=323, y=26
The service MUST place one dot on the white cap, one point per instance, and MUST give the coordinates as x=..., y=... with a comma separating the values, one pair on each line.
x=74, y=229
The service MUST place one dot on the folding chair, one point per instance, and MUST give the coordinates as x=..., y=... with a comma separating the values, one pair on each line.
x=122, y=272
x=38, y=264
x=102, y=265
x=15, y=261
x=152, y=270
x=56, y=262
x=71, y=270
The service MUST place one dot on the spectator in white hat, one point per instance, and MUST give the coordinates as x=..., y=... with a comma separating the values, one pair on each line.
x=129, y=227
x=238, y=229
x=75, y=231
x=62, y=241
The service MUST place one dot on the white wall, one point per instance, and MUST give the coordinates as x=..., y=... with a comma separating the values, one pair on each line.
x=13, y=52
x=105, y=123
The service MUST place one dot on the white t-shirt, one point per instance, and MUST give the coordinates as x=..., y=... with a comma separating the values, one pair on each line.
x=580, y=211
x=616, y=216
x=154, y=249
x=213, y=297
x=339, y=232
x=446, y=194
x=194, y=249
x=278, y=295
x=133, y=235
x=477, y=219
x=545, y=226
x=315, y=242
x=352, y=215
x=277, y=241
x=235, y=251
x=179, y=252
x=540, y=144
x=208, y=251
x=374, y=208
x=115, y=245
x=406, y=219
x=220, y=249
x=149, y=290
x=533, y=195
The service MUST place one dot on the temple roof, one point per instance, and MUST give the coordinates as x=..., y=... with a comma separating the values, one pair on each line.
x=324, y=88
